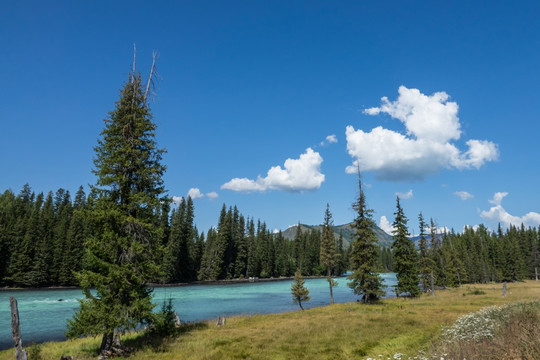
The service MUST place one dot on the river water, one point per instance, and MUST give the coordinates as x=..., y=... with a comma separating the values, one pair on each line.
x=43, y=317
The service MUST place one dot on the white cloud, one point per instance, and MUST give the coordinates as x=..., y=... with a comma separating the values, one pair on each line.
x=298, y=175
x=438, y=230
x=385, y=225
x=497, y=198
x=474, y=227
x=464, y=195
x=195, y=193
x=431, y=124
x=177, y=199
x=405, y=196
x=212, y=195
x=499, y=214
x=330, y=139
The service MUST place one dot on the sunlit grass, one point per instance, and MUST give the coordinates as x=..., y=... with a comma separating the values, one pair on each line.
x=340, y=331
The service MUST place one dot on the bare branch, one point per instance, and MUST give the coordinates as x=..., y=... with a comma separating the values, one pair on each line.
x=134, y=62
x=154, y=57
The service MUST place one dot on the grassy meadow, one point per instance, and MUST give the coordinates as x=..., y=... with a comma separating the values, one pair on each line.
x=340, y=331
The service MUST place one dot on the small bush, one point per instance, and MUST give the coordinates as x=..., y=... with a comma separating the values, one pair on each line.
x=477, y=292
x=34, y=352
x=165, y=320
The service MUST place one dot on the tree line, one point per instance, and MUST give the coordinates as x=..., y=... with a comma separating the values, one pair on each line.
x=42, y=243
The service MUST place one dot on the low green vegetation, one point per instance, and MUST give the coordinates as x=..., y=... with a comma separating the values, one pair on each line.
x=341, y=331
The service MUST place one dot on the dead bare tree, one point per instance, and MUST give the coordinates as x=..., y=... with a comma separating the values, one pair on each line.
x=20, y=353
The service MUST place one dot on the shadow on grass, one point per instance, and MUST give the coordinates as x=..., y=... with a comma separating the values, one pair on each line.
x=149, y=340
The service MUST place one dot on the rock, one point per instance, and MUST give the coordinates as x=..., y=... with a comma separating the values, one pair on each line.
x=177, y=321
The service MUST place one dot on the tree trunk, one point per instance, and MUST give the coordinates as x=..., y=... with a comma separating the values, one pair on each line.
x=300, y=303
x=536, y=273
x=20, y=353
x=432, y=284
x=106, y=342
x=329, y=278
x=504, y=290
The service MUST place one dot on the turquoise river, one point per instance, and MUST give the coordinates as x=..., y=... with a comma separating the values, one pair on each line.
x=44, y=313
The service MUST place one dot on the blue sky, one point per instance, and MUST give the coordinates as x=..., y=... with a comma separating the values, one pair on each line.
x=265, y=104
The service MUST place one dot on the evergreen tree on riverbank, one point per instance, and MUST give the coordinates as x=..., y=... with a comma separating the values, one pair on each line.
x=364, y=280
x=298, y=290
x=125, y=245
x=405, y=257
x=328, y=250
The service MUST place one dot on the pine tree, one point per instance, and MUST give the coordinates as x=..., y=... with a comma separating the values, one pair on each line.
x=405, y=257
x=298, y=290
x=178, y=256
x=44, y=269
x=299, y=248
x=241, y=242
x=341, y=256
x=77, y=232
x=22, y=267
x=252, y=260
x=212, y=258
x=364, y=280
x=312, y=254
x=328, y=250
x=126, y=242
x=425, y=262
x=7, y=233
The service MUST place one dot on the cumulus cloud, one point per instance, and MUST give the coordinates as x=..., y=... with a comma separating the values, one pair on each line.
x=212, y=195
x=405, y=196
x=464, y=195
x=330, y=139
x=474, y=227
x=177, y=199
x=195, y=193
x=499, y=214
x=297, y=175
x=385, y=225
x=431, y=125
x=438, y=230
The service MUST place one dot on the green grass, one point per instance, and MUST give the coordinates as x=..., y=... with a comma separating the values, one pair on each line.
x=340, y=331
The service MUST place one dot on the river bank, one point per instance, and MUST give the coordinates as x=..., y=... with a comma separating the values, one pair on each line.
x=341, y=331
x=44, y=317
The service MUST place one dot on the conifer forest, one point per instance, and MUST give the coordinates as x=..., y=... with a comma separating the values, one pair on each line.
x=42, y=243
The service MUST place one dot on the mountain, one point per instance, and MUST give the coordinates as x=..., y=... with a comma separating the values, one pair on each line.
x=347, y=230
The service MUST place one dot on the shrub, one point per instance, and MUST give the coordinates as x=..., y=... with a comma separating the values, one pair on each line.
x=165, y=320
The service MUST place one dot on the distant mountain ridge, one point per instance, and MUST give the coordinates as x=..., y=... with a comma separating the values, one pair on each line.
x=383, y=239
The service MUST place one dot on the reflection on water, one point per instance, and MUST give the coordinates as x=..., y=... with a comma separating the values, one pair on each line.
x=44, y=313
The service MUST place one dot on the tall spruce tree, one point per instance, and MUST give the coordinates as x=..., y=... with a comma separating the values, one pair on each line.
x=126, y=243
x=425, y=263
x=341, y=256
x=405, y=257
x=328, y=250
x=364, y=280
